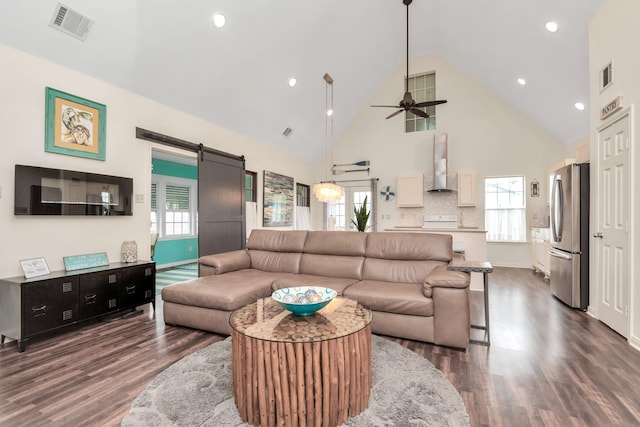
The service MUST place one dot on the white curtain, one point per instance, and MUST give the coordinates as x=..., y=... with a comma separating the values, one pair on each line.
x=303, y=218
x=506, y=225
x=251, y=217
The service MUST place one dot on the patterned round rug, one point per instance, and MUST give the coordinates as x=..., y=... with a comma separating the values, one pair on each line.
x=407, y=390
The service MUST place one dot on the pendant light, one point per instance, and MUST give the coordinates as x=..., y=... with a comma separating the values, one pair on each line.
x=327, y=191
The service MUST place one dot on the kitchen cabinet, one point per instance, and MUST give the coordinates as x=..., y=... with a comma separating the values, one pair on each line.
x=410, y=191
x=467, y=188
x=540, y=258
x=44, y=304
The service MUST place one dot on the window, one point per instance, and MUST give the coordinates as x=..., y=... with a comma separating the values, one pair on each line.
x=250, y=193
x=154, y=209
x=422, y=88
x=505, y=210
x=173, y=206
x=302, y=195
x=177, y=210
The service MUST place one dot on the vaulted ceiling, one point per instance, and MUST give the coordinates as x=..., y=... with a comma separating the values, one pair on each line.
x=237, y=76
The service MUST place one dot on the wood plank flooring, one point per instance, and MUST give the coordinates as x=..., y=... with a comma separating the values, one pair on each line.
x=548, y=365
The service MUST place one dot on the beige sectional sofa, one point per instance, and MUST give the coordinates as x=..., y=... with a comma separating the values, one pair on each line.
x=401, y=277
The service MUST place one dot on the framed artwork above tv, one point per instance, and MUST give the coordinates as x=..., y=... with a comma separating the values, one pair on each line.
x=74, y=126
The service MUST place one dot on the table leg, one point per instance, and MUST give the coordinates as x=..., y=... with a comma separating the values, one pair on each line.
x=486, y=341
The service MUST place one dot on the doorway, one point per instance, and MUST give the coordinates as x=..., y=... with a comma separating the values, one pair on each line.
x=340, y=215
x=174, y=207
x=214, y=211
x=611, y=237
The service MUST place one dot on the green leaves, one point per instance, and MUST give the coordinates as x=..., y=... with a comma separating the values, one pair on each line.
x=362, y=216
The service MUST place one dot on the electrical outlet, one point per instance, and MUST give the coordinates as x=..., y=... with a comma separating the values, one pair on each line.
x=139, y=198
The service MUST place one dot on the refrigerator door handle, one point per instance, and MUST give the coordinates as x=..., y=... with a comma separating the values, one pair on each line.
x=557, y=214
x=558, y=254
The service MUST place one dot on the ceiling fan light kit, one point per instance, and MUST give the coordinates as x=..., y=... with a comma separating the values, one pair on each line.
x=408, y=104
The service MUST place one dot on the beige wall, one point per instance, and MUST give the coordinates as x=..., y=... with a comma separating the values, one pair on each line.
x=22, y=86
x=485, y=134
x=614, y=32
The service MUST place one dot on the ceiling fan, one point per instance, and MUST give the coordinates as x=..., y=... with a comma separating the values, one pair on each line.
x=408, y=103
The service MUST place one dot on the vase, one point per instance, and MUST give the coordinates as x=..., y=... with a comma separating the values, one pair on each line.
x=129, y=251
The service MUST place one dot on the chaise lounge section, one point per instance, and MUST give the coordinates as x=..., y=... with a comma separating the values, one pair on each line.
x=401, y=277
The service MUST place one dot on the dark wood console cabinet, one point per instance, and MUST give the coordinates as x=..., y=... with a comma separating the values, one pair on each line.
x=30, y=307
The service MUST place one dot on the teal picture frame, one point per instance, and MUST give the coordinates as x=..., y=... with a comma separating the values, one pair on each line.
x=74, y=126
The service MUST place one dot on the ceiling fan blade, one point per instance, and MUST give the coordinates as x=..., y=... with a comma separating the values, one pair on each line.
x=430, y=103
x=394, y=114
x=387, y=106
x=419, y=113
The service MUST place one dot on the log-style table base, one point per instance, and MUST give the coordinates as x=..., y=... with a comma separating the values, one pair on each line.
x=319, y=383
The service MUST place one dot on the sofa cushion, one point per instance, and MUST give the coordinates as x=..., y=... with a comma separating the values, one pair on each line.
x=409, y=246
x=336, y=283
x=349, y=243
x=277, y=240
x=285, y=262
x=405, y=298
x=397, y=270
x=332, y=266
x=228, y=291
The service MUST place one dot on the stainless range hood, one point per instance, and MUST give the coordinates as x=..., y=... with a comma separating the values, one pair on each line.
x=440, y=164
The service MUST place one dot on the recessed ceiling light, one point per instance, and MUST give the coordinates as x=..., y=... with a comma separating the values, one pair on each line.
x=551, y=26
x=329, y=113
x=579, y=106
x=292, y=81
x=219, y=20
x=522, y=81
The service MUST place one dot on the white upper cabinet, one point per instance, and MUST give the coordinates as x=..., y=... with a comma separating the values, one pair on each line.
x=410, y=191
x=467, y=188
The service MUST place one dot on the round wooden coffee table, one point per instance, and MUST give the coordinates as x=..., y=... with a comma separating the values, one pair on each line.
x=291, y=370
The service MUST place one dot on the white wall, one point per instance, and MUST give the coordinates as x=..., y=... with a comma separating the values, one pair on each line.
x=485, y=134
x=613, y=35
x=22, y=85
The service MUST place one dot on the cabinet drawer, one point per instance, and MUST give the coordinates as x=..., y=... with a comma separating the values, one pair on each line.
x=137, y=285
x=99, y=293
x=49, y=304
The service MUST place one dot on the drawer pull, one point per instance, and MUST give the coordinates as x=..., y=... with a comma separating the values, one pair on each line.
x=90, y=299
x=39, y=311
x=112, y=278
x=130, y=289
x=67, y=287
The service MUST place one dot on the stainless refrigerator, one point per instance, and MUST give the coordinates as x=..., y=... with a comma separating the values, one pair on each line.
x=570, y=235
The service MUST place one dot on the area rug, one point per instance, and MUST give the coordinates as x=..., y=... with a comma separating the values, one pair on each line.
x=407, y=390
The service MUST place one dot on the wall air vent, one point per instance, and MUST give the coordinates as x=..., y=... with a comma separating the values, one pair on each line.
x=70, y=22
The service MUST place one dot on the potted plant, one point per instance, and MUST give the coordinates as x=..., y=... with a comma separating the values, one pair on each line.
x=361, y=215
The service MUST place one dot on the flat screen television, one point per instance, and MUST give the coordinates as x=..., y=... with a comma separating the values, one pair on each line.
x=45, y=191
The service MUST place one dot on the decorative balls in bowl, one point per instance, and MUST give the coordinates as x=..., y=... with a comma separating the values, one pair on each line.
x=304, y=300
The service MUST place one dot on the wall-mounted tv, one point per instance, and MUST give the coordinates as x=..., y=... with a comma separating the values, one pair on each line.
x=44, y=191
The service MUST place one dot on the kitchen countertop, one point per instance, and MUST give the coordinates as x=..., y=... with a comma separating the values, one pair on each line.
x=436, y=230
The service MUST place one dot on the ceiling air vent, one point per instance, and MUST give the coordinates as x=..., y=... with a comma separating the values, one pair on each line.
x=70, y=22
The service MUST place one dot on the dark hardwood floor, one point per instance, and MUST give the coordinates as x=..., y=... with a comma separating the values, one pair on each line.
x=547, y=365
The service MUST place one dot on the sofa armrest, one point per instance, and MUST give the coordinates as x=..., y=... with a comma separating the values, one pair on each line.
x=224, y=262
x=450, y=293
x=443, y=278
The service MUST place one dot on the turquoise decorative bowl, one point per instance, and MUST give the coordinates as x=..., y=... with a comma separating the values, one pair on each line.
x=304, y=300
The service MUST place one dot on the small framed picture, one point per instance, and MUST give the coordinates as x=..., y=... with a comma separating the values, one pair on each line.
x=34, y=267
x=74, y=126
x=535, y=188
